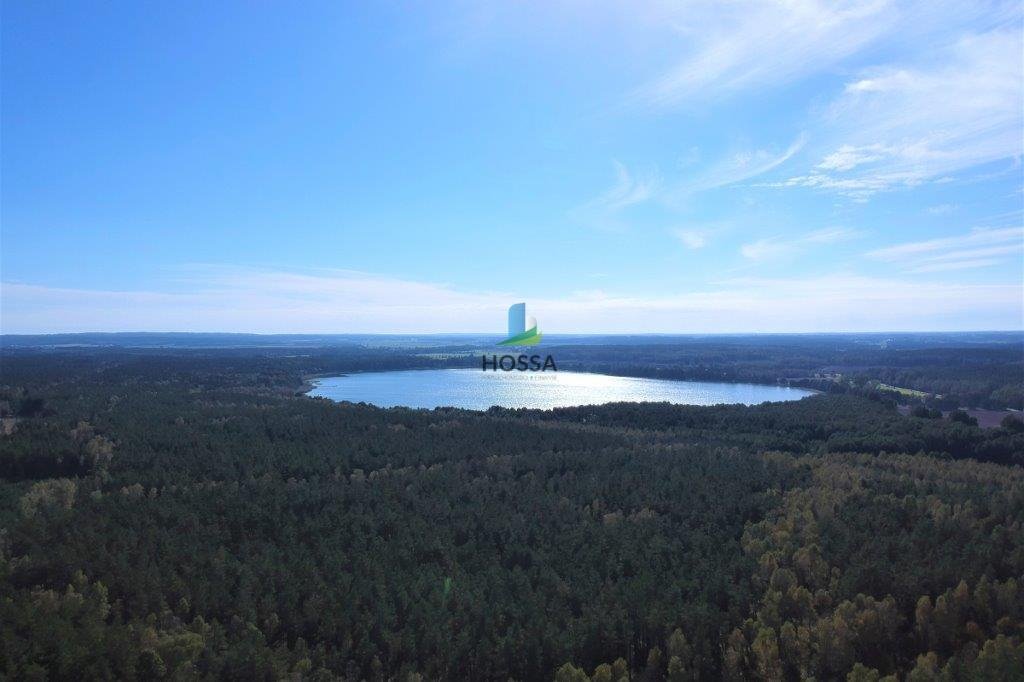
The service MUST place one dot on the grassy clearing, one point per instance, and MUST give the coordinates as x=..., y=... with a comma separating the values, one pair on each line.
x=913, y=393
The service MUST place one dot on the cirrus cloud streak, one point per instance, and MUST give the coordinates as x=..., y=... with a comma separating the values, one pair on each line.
x=212, y=299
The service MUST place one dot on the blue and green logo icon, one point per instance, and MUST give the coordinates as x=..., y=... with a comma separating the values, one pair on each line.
x=522, y=331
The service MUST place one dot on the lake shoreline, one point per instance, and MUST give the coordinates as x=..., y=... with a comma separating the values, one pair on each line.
x=466, y=388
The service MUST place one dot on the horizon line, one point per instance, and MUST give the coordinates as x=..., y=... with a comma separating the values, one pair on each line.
x=548, y=334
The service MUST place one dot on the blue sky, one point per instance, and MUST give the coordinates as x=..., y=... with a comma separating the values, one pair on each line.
x=417, y=167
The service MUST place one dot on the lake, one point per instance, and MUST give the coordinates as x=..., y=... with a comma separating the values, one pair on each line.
x=474, y=389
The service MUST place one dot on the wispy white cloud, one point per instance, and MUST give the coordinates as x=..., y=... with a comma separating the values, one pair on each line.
x=742, y=45
x=226, y=298
x=740, y=167
x=955, y=265
x=764, y=249
x=830, y=235
x=691, y=239
x=848, y=157
x=734, y=168
x=846, y=301
x=979, y=248
x=949, y=103
x=941, y=209
x=629, y=189
x=1002, y=250
x=859, y=188
x=838, y=302
x=269, y=301
x=903, y=126
x=976, y=237
x=776, y=247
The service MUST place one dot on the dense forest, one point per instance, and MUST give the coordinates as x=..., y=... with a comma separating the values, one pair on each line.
x=945, y=372
x=170, y=513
